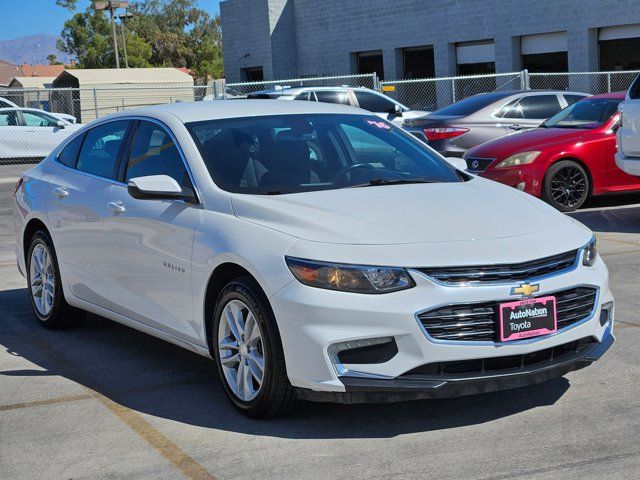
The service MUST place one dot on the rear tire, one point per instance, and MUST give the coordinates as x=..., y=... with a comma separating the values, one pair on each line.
x=45, y=285
x=245, y=336
x=566, y=185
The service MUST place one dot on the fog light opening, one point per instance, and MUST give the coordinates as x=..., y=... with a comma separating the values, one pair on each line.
x=606, y=313
x=363, y=351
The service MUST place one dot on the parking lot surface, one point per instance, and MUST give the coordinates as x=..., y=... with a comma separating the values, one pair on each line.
x=103, y=401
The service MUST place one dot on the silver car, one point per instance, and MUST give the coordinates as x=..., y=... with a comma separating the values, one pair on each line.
x=460, y=126
x=365, y=98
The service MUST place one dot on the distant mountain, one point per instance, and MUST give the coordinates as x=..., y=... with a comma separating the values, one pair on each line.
x=20, y=50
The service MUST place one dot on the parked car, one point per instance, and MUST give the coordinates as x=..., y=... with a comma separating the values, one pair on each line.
x=569, y=158
x=31, y=133
x=6, y=103
x=454, y=129
x=628, y=154
x=365, y=98
x=259, y=233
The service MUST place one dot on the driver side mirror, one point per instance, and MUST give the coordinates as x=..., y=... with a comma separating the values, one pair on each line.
x=61, y=124
x=458, y=163
x=158, y=187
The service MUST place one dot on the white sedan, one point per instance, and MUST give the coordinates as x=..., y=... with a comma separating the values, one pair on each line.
x=313, y=251
x=31, y=133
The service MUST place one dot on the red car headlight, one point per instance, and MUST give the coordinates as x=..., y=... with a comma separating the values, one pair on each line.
x=517, y=159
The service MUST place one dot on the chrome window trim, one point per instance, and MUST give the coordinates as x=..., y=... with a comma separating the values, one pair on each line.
x=571, y=268
x=527, y=341
x=84, y=131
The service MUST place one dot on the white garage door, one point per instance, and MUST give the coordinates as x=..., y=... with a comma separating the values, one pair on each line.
x=475, y=53
x=622, y=31
x=543, y=43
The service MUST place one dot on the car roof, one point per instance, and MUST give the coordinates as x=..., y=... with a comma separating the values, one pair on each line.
x=614, y=95
x=295, y=90
x=221, y=109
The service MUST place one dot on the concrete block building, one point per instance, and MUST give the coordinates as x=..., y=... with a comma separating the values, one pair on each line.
x=276, y=39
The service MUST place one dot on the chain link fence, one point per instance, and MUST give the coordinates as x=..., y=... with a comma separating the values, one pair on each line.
x=433, y=93
x=235, y=90
x=429, y=94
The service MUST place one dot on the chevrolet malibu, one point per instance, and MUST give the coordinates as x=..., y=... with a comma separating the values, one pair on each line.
x=313, y=251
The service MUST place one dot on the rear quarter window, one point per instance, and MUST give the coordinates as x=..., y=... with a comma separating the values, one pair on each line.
x=69, y=154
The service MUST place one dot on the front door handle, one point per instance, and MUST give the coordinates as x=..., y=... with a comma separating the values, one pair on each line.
x=60, y=192
x=116, y=207
x=516, y=127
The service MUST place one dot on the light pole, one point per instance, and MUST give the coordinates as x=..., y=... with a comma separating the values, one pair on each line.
x=35, y=48
x=122, y=18
x=112, y=5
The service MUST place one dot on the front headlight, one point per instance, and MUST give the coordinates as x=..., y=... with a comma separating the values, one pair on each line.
x=349, y=278
x=589, y=253
x=522, y=158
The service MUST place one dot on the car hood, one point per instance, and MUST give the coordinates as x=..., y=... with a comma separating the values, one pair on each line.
x=533, y=139
x=403, y=214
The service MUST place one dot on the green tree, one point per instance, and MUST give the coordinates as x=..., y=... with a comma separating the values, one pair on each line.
x=87, y=37
x=53, y=60
x=138, y=51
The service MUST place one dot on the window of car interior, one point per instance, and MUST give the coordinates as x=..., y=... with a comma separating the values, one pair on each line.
x=69, y=154
x=9, y=118
x=101, y=149
x=37, y=119
x=153, y=152
x=571, y=99
x=333, y=96
x=539, y=106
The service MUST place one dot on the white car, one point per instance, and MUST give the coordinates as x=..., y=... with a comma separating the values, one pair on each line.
x=6, y=103
x=314, y=251
x=628, y=134
x=27, y=133
x=375, y=102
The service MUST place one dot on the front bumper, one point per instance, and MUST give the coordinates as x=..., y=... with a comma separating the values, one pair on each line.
x=417, y=387
x=311, y=320
x=628, y=165
x=527, y=179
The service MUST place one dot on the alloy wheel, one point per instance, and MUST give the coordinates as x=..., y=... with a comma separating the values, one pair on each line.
x=241, y=350
x=43, y=280
x=569, y=186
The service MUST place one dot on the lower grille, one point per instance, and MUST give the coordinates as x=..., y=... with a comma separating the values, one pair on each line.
x=475, y=164
x=479, y=321
x=497, y=365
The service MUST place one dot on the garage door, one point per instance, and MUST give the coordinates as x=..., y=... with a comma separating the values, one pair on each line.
x=543, y=43
x=475, y=53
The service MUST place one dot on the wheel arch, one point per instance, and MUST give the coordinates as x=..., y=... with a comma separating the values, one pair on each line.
x=30, y=229
x=219, y=278
x=577, y=160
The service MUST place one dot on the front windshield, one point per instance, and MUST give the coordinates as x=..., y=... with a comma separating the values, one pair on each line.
x=300, y=153
x=589, y=113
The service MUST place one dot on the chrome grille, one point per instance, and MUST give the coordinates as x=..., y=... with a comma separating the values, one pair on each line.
x=476, y=164
x=479, y=321
x=505, y=272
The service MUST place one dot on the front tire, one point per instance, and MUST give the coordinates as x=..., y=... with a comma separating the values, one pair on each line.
x=566, y=185
x=248, y=352
x=45, y=285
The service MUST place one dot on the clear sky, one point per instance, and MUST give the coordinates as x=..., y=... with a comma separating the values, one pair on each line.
x=28, y=17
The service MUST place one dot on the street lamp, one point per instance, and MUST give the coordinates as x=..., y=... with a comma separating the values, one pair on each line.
x=35, y=68
x=122, y=18
x=111, y=5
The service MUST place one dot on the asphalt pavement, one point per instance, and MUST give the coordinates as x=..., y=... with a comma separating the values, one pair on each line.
x=102, y=401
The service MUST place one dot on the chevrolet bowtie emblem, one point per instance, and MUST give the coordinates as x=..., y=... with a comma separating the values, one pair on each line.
x=526, y=290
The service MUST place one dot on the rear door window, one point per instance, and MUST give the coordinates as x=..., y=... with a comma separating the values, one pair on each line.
x=8, y=118
x=333, y=96
x=101, y=149
x=539, y=106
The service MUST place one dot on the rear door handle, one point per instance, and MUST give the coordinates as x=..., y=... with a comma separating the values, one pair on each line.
x=116, y=207
x=60, y=192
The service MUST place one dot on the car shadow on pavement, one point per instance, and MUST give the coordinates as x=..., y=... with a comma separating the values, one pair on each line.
x=156, y=378
x=610, y=220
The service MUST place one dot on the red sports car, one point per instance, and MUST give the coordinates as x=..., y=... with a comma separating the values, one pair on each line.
x=565, y=160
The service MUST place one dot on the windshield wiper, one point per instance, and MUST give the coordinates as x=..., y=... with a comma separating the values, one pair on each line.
x=374, y=182
x=276, y=192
